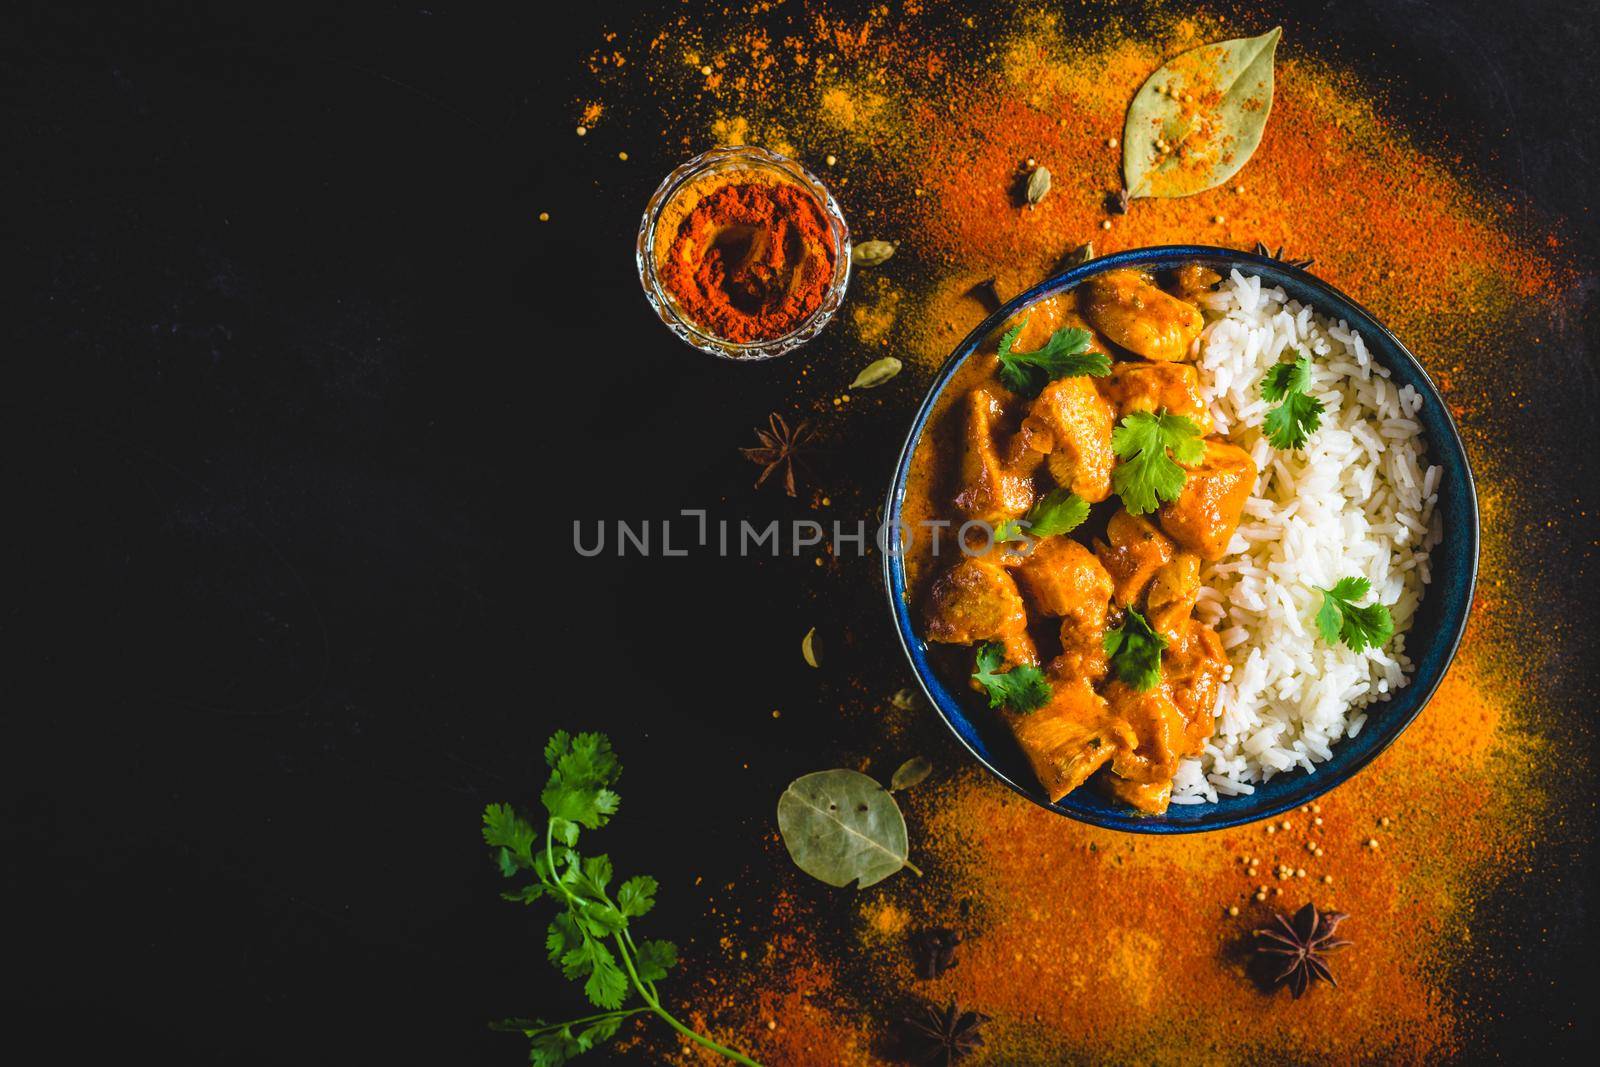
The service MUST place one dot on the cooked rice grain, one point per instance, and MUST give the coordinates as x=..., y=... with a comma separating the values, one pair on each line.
x=1358, y=501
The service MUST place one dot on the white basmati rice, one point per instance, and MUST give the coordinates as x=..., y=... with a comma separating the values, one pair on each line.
x=1358, y=501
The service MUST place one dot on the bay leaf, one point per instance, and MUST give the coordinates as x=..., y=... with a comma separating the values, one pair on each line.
x=872, y=253
x=1038, y=185
x=1198, y=119
x=876, y=373
x=912, y=772
x=841, y=826
x=808, y=647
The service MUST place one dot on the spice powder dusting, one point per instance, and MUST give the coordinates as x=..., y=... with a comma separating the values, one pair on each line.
x=1082, y=944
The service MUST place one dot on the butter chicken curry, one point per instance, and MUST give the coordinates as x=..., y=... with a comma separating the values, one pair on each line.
x=1086, y=644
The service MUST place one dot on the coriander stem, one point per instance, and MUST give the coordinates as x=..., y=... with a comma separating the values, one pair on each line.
x=635, y=950
x=550, y=858
x=666, y=1016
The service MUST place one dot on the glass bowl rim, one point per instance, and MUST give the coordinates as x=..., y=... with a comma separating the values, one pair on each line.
x=665, y=306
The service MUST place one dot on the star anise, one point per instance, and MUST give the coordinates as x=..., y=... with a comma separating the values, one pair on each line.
x=943, y=1037
x=934, y=950
x=1277, y=253
x=1303, y=944
x=780, y=447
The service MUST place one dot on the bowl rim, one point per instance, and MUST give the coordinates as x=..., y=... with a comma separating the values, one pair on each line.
x=1452, y=625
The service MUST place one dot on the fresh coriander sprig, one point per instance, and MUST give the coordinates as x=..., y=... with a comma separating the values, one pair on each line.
x=1288, y=385
x=1065, y=355
x=1135, y=651
x=1148, y=475
x=1340, y=620
x=1057, y=512
x=1022, y=688
x=590, y=939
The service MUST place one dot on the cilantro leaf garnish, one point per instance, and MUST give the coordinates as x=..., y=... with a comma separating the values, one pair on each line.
x=583, y=769
x=1135, y=651
x=589, y=940
x=1065, y=355
x=554, y=1044
x=1011, y=530
x=1057, y=512
x=655, y=959
x=505, y=829
x=1147, y=475
x=1298, y=413
x=1285, y=378
x=637, y=895
x=1022, y=688
x=1340, y=620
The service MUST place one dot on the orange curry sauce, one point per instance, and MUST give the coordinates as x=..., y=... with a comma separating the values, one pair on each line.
x=988, y=455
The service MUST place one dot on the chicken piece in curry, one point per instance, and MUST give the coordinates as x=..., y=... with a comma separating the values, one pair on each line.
x=1122, y=680
x=1071, y=423
x=1146, y=320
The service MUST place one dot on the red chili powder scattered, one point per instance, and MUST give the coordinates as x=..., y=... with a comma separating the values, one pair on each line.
x=748, y=261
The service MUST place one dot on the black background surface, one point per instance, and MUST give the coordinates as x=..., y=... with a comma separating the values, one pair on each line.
x=307, y=404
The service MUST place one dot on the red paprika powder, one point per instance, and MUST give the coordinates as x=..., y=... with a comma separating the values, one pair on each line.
x=747, y=258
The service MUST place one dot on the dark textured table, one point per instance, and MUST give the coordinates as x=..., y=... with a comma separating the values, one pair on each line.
x=308, y=404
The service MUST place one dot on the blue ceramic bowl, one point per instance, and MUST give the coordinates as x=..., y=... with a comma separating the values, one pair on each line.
x=1431, y=642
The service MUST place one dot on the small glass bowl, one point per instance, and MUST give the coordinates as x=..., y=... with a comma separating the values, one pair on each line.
x=728, y=160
